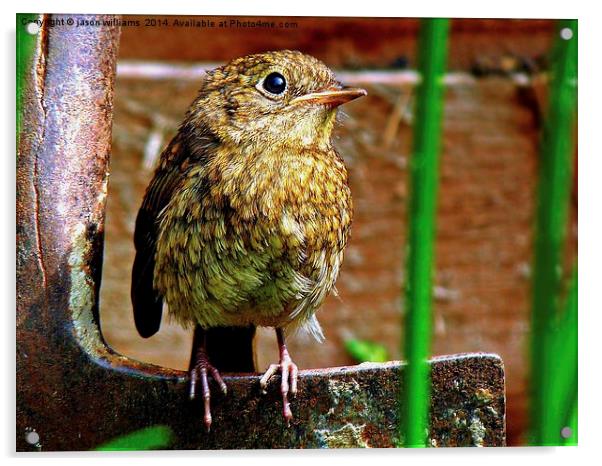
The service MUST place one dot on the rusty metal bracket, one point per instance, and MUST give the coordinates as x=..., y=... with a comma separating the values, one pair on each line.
x=76, y=393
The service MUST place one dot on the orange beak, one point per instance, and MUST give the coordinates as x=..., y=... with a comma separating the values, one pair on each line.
x=332, y=97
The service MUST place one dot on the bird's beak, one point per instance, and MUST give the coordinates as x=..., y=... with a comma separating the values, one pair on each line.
x=332, y=97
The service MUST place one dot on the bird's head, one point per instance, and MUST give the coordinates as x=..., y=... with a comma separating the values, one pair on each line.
x=269, y=99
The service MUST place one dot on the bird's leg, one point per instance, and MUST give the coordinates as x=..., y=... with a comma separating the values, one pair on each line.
x=288, y=370
x=199, y=368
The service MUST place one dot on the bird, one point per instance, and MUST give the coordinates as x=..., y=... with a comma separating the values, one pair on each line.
x=245, y=221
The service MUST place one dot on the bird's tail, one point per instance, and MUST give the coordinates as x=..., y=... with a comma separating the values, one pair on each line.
x=230, y=349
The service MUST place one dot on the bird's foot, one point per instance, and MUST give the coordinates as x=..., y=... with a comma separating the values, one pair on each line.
x=199, y=371
x=288, y=383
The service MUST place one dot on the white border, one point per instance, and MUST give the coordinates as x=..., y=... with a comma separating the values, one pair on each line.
x=590, y=195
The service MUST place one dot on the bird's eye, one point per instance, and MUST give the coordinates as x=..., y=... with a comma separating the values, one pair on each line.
x=274, y=83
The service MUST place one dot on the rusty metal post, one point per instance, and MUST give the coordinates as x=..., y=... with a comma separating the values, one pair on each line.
x=76, y=393
x=62, y=174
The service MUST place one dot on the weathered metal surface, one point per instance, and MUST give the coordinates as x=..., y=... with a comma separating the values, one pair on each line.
x=76, y=393
x=346, y=407
x=62, y=173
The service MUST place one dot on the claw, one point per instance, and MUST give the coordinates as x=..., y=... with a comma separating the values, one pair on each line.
x=263, y=382
x=200, y=369
x=193, y=377
x=294, y=376
x=206, y=398
x=218, y=378
x=288, y=381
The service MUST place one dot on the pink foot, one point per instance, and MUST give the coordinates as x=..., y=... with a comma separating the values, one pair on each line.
x=200, y=369
x=289, y=374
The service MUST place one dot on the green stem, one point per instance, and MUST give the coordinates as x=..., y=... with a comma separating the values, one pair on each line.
x=422, y=210
x=566, y=347
x=555, y=175
x=25, y=51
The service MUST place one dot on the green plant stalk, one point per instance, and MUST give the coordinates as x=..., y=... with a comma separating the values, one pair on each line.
x=25, y=48
x=424, y=167
x=548, y=367
x=566, y=347
x=573, y=424
x=562, y=391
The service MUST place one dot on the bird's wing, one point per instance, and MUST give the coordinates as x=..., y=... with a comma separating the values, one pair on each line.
x=147, y=302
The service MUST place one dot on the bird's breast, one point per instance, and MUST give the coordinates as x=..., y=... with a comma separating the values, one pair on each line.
x=260, y=238
x=306, y=183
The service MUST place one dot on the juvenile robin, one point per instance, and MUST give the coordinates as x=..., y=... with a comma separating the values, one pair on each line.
x=247, y=216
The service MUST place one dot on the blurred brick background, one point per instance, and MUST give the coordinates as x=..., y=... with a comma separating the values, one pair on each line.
x=486, y=199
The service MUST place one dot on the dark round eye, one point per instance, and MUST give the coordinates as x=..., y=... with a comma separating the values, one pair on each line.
x=274, y=83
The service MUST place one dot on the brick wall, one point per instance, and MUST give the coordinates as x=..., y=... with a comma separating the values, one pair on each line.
x=485, y=218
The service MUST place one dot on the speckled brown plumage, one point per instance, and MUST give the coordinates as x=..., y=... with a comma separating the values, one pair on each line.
x=247, y=216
